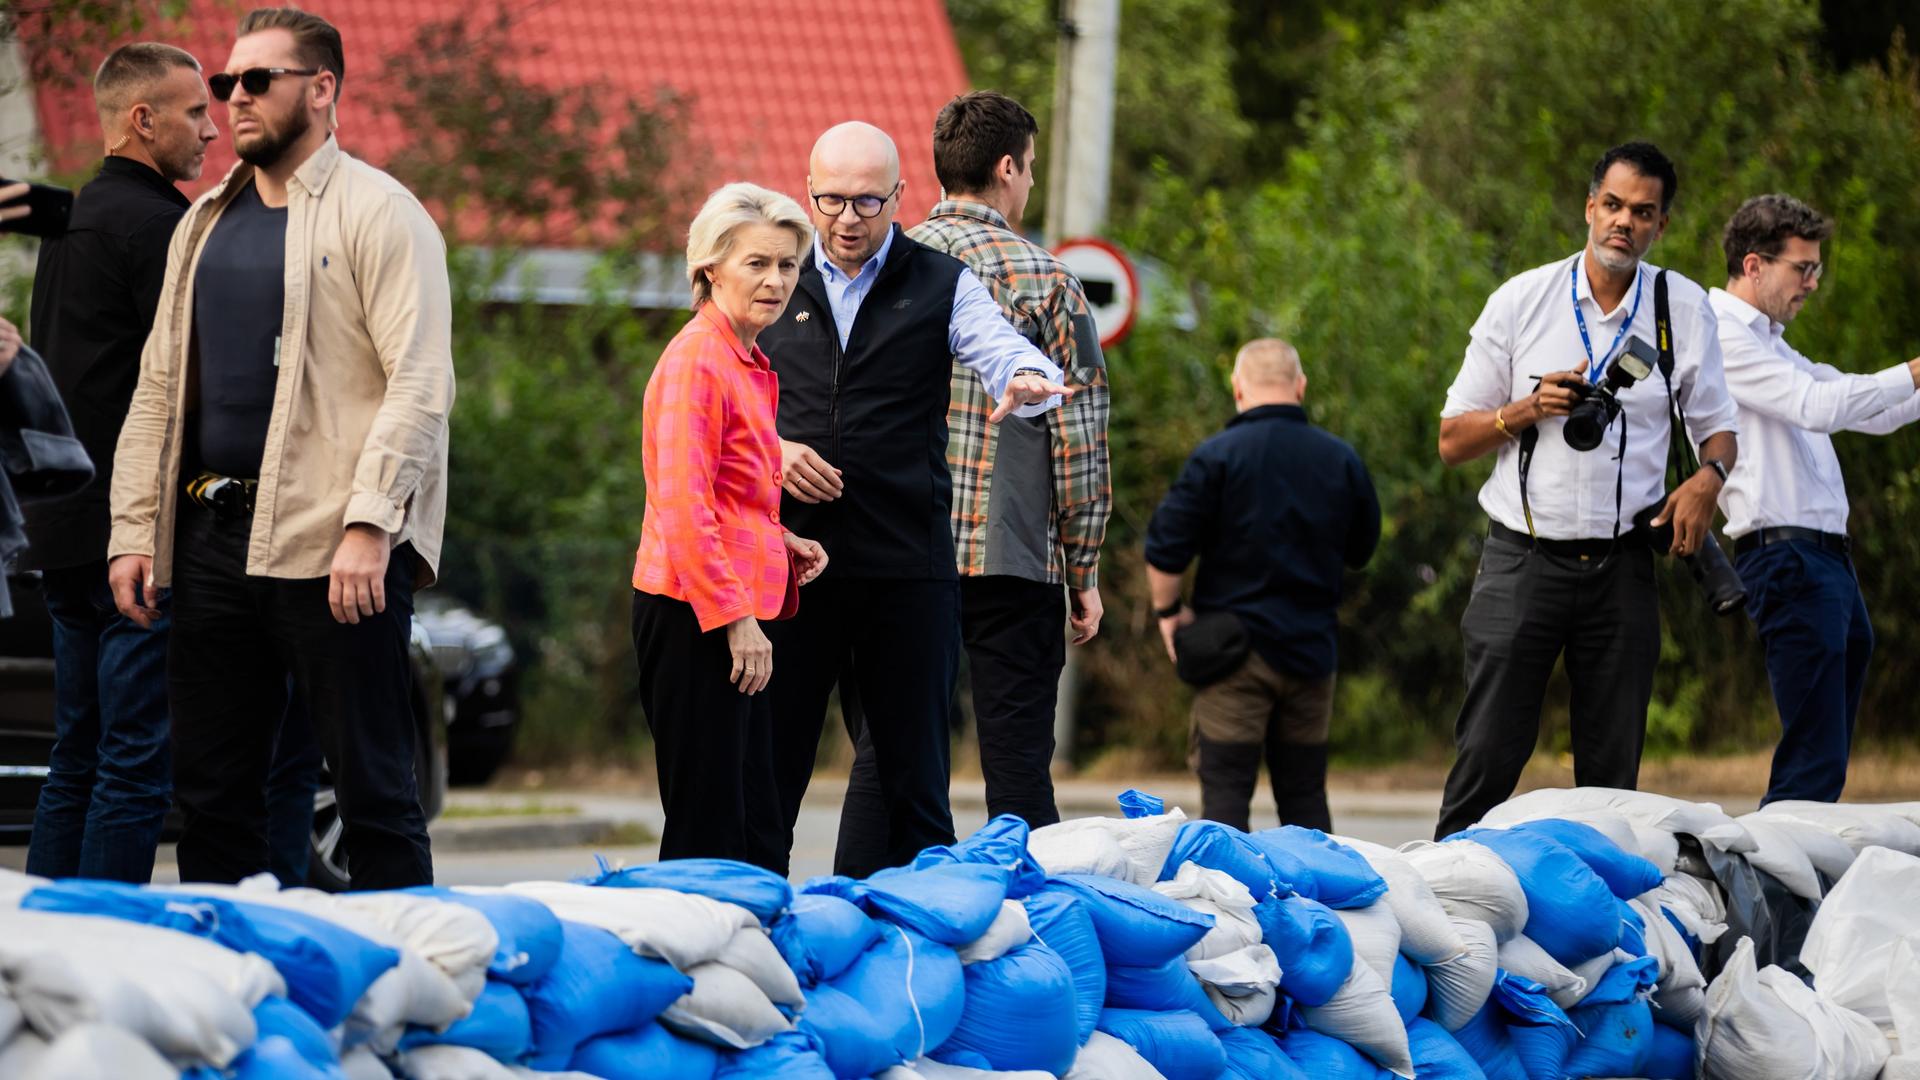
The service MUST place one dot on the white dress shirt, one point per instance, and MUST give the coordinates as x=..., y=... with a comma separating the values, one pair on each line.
x=1788, y=474
x=1527, y=330
x=982, y=339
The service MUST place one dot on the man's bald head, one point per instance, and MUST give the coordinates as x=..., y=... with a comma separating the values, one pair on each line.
x=853, y=164
x=1267, y=371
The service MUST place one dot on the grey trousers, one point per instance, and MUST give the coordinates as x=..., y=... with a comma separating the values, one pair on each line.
x=1527, y=608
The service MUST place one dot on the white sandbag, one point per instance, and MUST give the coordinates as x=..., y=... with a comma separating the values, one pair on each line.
x=1522, y=956
x=14, y=885
x=1861, y=825
x=1903, y=992
x=451, y=1063
x=190, y=998
x=929, y=1069
x=1901, y=1067
x=1010, y=929
x=1362, y=1015
x=20, y=1055
x=1829, y=854
x=1703, y=820
x=752, y=953
x=1909, y=810
x=361, y=1063
x=1768, y=1025
x=1659, y=847
x=1778, y=853
x=1458, y=988
x=1215, y=893
x=100, y=1052
x=10, y=1018
x=724, y=1008
x=1427, y=933
x=455, y=938
x=1376, y=937
x=1107, y=1058
x=1698, y=905
x=1592, y=971
x=1471, y=882
x=683, y=929
x=414, y=991
x=1680, y=996
x=1241, y=984
x=1086, y=846
x=1849, y=947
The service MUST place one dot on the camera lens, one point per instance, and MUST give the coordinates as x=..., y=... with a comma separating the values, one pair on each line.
x=1587, y=423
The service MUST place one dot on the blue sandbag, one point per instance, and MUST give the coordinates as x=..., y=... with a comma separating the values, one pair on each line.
x=1633, y=930
x=1253, y=1055
x=1179, y=1045
x=529, y=932
x=1217, y=847
x=952, y=903
x=1135, y=803
x=276, y=1016
x=1167, y=987
x=1438, y=1055
x=857, y=1041
x=1625, y=872
x=1061, y=920
x=1485, y=1038
x=791, y=1055
x=326, y=967
x=1537, y=1029
x=499, y=1026
x=829, y=932
x=650, y=1053
x=1409, y=987
x=1694, y=944
x=1019, y=1013
x=1671, y=1055
x=762, y=892
x=1616, y=1022
x=1322, y=867
x=1134, y=924
x=1570, y=911
x=914, y=988
x=1000, y=842
x=1325, y=1058
x=599, y=986
x=274, y=1057
x=1312, y=944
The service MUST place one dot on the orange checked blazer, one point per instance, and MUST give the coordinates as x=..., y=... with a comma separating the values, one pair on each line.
x=712, y=535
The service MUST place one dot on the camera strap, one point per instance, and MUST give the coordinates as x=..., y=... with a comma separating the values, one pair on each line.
x=1530, y=438
x=1663, y=329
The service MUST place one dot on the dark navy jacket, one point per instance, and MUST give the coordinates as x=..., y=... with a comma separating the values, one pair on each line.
x=1275, y=509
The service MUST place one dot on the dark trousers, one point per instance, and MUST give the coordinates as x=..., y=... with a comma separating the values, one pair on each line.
x=1813, y=623
x=109, y=780
x=1015, y=634
x=1258, y=711
x=1527, y=608
x=292, y=782
x=897, y=644
x=712, y=745
x=240, y=643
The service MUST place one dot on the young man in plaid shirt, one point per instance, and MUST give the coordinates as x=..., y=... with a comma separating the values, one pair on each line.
x=1030, y=496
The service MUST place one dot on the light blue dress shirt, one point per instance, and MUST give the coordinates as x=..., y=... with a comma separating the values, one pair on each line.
x=978, y=333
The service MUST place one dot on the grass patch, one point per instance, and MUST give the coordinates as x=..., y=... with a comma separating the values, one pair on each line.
x=628, y=834
x=525, y=808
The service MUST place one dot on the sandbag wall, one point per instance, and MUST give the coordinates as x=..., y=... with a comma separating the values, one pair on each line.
x=1573, y=934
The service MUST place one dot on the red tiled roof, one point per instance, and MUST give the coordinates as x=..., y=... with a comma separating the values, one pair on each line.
x=762, y=80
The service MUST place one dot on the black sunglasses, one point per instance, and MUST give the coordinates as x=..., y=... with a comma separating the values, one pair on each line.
x=255, y=81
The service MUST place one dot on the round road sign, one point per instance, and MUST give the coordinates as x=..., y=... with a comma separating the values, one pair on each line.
x=1112, y=287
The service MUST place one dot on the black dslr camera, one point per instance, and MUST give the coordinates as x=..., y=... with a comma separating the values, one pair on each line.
x=1716, y=575
x=1599, y=404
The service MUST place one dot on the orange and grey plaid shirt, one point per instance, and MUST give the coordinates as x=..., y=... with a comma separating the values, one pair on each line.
x=1030, y=496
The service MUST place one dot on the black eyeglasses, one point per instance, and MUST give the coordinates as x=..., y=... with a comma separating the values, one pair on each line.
x=255, y=81
x=865, y=206
x=1809, y=271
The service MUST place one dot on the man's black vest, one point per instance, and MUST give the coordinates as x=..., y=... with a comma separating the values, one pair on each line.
x=877, y=410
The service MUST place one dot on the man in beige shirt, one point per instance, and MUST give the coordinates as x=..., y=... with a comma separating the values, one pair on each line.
x=283, y=465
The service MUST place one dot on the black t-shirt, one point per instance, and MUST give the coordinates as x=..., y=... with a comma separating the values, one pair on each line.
x=239, y=299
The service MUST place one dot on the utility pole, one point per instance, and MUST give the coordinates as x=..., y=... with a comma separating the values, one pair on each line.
x=1079, y=159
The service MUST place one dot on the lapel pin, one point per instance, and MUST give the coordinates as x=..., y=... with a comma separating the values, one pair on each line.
x=803, y=316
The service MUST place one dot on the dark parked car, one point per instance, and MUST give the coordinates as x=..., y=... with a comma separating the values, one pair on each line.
x=482, y=683
x=27, y=732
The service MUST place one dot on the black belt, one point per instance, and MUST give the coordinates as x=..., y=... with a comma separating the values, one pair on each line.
x=1759, y=538
x=1569, y=549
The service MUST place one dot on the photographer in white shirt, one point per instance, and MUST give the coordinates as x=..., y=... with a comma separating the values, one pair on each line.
x=1785, y=502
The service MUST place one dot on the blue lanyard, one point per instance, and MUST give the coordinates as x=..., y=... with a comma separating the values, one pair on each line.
x=1595, y=370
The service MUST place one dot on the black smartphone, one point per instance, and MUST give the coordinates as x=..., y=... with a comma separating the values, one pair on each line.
x=48, y=209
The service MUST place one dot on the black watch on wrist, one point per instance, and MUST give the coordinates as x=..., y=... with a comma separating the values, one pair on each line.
x=1717, y=466
x=1170, y=610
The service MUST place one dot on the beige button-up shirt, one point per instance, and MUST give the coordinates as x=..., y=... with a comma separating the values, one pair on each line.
x=358, y=430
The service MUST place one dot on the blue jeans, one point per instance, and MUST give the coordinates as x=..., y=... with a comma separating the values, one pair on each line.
x=1813, y=623
x=110, y=781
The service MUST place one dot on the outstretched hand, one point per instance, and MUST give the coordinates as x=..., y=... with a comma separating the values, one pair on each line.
x=1026, y=390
